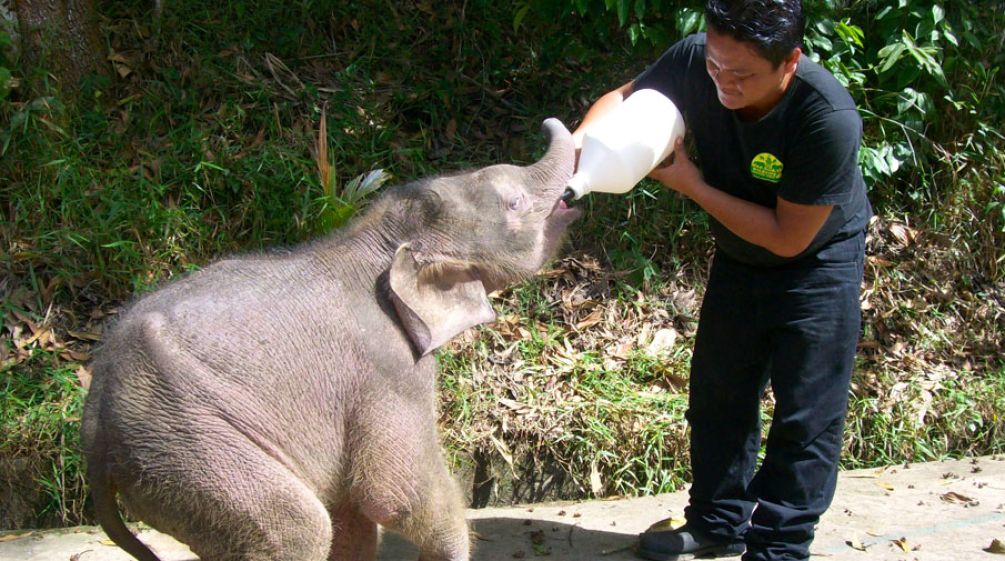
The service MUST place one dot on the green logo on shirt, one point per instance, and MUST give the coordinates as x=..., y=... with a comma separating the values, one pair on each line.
x=766, y=167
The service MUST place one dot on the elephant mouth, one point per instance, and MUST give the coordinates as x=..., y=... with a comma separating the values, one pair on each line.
x=562, y=213
x=557, y=222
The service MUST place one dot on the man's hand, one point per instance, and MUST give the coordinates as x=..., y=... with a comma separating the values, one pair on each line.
x=677, y=172
x=786, y=229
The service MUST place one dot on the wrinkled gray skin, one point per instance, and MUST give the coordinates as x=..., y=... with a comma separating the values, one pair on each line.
x=280, y=406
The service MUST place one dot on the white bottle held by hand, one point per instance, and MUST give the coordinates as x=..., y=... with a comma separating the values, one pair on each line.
x=626, y=144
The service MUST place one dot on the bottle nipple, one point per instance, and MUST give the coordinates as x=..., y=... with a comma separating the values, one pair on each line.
x=576, y=187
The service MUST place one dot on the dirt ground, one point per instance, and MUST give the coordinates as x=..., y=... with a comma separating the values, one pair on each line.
x=939, y=511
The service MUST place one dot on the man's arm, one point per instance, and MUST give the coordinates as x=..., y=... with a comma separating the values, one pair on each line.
x=785, y=230
x=604, y=105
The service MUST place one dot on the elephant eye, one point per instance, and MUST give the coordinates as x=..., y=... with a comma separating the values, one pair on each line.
x=518, y=202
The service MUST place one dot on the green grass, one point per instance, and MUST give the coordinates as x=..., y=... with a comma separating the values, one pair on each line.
x=42, y=403
x=610, y=424
x=934, y=416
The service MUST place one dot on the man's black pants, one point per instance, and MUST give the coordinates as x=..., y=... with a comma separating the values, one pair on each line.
x=795, y=327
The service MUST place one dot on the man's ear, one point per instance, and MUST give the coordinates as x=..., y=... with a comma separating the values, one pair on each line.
x=438, y=302
x=791, y=60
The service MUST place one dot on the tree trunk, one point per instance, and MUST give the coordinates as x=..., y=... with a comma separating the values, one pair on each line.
x=62, y=37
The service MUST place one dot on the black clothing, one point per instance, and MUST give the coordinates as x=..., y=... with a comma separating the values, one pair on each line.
x=797, y=327
x=791, y=322
x=684, y=542
x=813, y=134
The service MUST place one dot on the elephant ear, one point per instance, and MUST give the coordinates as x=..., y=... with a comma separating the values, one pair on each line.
x=435, y=306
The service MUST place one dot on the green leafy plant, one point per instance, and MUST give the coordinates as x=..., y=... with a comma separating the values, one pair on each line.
x=652, y=24
x=338, y=205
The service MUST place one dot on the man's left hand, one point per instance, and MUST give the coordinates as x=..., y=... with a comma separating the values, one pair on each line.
x=677, y=172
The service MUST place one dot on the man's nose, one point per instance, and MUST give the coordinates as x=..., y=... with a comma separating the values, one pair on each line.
x=727, y=80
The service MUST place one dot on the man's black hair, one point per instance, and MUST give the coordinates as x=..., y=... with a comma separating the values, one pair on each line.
x=773, y=27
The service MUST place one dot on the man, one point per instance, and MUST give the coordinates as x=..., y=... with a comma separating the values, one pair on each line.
x=777, y=138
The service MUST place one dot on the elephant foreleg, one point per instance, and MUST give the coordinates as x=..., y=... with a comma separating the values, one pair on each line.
x=436, y=521
x=354, y=536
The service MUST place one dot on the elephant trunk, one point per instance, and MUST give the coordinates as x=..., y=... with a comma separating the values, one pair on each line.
x=555, y=168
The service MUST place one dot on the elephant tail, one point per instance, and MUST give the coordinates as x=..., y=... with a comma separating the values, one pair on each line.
x=107, y=511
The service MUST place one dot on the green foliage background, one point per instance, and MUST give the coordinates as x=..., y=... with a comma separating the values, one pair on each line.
x=203, y=139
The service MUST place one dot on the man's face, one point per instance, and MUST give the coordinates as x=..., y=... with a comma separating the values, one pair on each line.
x=744, y=80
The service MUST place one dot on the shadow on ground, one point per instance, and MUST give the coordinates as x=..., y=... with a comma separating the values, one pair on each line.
x=516, y=538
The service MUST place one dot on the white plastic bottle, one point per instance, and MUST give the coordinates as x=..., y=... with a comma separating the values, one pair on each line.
x=626, y=144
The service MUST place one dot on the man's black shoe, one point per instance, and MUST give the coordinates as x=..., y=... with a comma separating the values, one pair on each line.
x=684, y=543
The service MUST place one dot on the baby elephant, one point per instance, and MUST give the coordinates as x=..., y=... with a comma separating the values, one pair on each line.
x=280, y=406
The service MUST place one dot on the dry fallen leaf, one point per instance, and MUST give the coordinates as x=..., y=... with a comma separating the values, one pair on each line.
x=84, y=377
x=903, y=233
x=902, y=544
x=72, y=355
x=120, y=63
x=954, y=497
x=855, y=544
x=662, y=342
x=12, y=537
x=84, y=335
x=596, y=484
x=595, y=317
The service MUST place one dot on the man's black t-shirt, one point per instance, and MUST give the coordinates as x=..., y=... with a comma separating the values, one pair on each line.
x=805, y=150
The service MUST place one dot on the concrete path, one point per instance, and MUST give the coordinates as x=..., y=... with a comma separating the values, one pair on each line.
x=940, y=511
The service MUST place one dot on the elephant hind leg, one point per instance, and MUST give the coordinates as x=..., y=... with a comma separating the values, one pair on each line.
x=235, y=505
